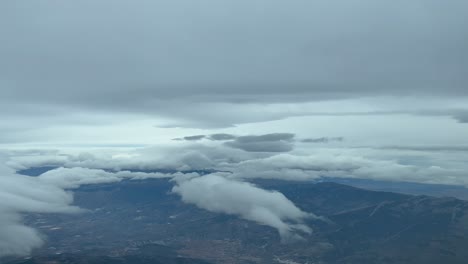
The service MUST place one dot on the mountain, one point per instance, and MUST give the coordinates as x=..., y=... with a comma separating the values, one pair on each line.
x=138, y=221
x=413, y=188
x=437, y=190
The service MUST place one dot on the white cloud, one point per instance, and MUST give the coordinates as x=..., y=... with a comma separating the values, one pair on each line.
x=357, y=163
x=71, y=178
x=21, y=194
x=218, y=194
x=15, y=238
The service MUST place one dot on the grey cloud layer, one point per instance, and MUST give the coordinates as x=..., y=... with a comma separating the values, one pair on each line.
x=214, y=137
x=276, y=142
x=273, y=142
x=322, y=140
x=183, y=59
x=221, y=137
x=191, y=138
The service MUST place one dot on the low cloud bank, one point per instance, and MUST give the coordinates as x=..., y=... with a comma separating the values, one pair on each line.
x=219, y=192
x=70, y=178
x=422, y=165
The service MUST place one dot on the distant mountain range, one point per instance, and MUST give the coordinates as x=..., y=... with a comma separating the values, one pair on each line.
x=142, y=222
x=413, y=188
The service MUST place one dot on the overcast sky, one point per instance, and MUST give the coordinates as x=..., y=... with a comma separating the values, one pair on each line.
x=143, y=72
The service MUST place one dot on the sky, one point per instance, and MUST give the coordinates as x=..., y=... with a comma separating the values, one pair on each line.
x=142, y=72
x=294, y=90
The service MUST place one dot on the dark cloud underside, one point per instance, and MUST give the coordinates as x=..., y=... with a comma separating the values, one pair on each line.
x=322, y=140
x=221, y=137
x=157, y=56
x=275, y=142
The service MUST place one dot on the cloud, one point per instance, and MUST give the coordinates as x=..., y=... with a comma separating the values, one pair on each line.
x=198, y=137
x=276, y=142
x=322, y=140
x=21, y=194
x=180, y=158
x=15, y=238
x=266, y=138
x=71, y=178
x=424, y=164
x=219, y=194
x=461, y=117
x=221, y=137
x=168, y=65
x=273, y=142
x=191, y=138
x=243, y=139
x=363, y=164
x=264, y=146
x=310, y=55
